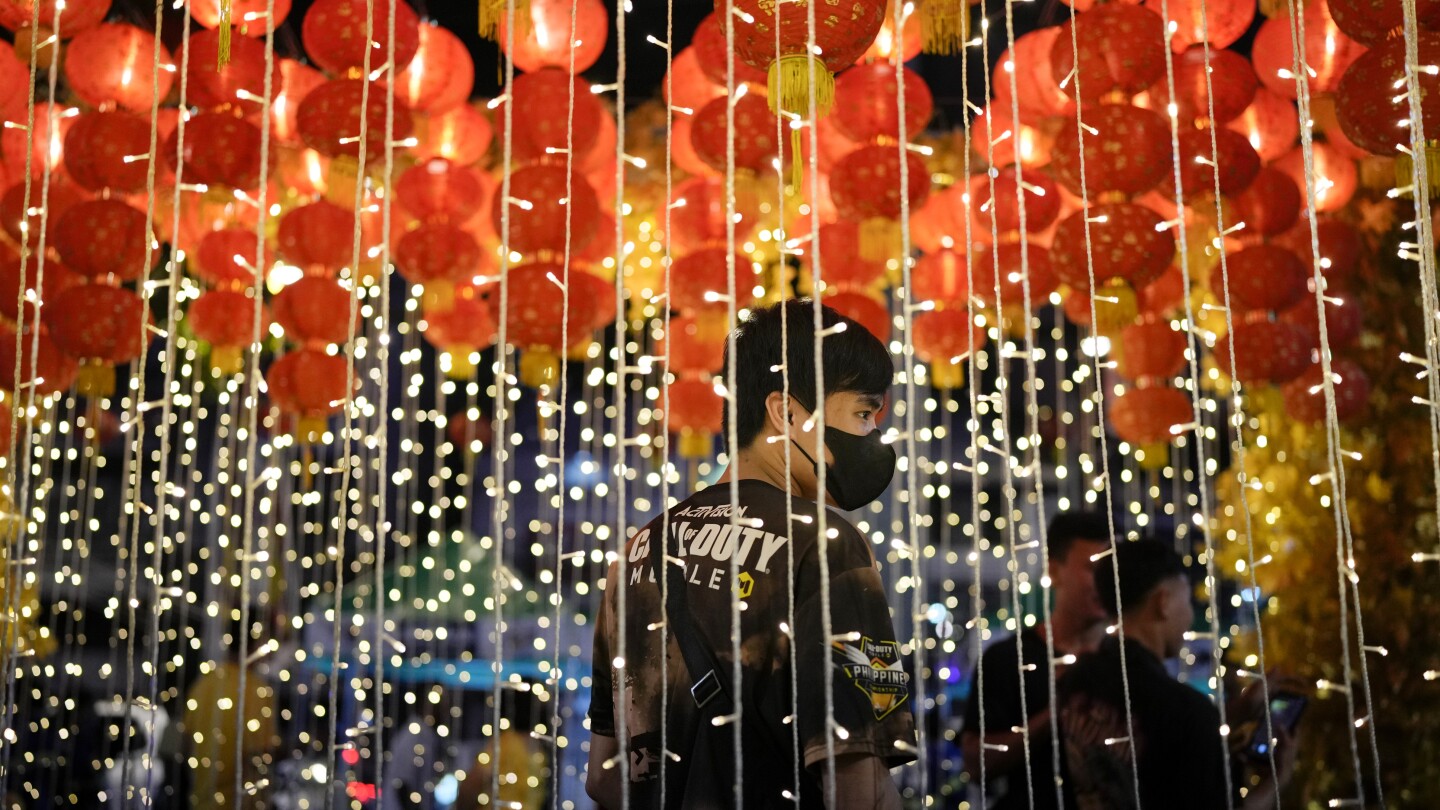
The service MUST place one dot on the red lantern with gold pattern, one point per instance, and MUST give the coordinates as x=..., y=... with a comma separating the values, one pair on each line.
x=1262, y=277
x=862, y=309
x=225, y=258
x=842, y=264
x=439, y=190
x=75, y=15
x=537, y=210
x=107, y=150
x=1127, y=151
x=1266, y=351
x=308, y=383
x=1269, y=123
x=698, y=213
x=1328, y=52
x=867, y=103
x=691, y=347
x=1220, y=22
x=98, y=322
x=1340, y=247
x=440, y=77
x=944, y=339
x=545, y=41
x=866, y=183
x=461, y=135
x=334, y=34
x=1335, y=175
x=1305, y=395
x=44, y=147
x=756, y=149
x=1232, y=81
x=226, y=320
x=437, y=252
x=1122, y=52
x=220, y=150
x=1237, y=163
x=328, y=120
x=99, y=238
x=24, y=228
x=1146, y=415
x=1343, y=320
x=540, y=118
x=318, y=236
x=709, y=45
x=1374, y=114
x=942, y=277
x=314, y=311
x=1042, y=201
x=1003, y=261
x=1371, y=21
x=240, y=84
x=296, y=82
x=1151, y=349
x=114, y=64
x=39, y=358
x=1038, y=90
x=536, y=319
x=1126, y=245
x=699, y=281
x=1269, y=205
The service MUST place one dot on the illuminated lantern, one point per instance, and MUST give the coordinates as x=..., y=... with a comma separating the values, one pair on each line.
x=1125, y=245
x=1336, y=177
x=842, y=266
x=334, y=34
x=23, y=227
x=461, y=135
x=1328, y=52
x=944, y=339
x=460, y=331
x=538, y=207
x=99, y=238
x=887, y=46
x=757, y=148
x=13, y=141
x=1373, y=106
x=940, y=221
x=220, y=150
x=296, y=82
x=13, y=274
x=438, y=190
x=225, y=257
x=1270, y=204
x=1037, y=88
x=1164, y=295
x=328, y=120
x=698, y=213
x=1221, y=22
x=687, y=86
x=1231, y=88
x=314, y=311
x=318, y=236
x=1150, y=349
x=75, y=15
x=540, y=114
x=1127, y=151
x=536, y=321
x=437, y=255
x=1270, y=124
x=941, y=277
x=1371, y=21
x=1262, y=277
x=865, y=186
x=240, y=84
x=1340, y=247
x=1265, y=351
x=682, y=151
x=96, y=151
x=1149, y=416
x=1305, y=395
x=41, y=363
x=1343, y=320
x=114, y=63
x=864, y=310
x=691, y=348
x=226, y=320
x=1121, y=52
x=14, y=84
x=709, y=45
x=1232, y=158
x=545, y=42
x=696, y=413
x=841, y=36
x=441, y=75
x=102, y=326
x=699, y=281
x=1003, y=262
x=309, y=384
x=1042, y=201
x=868, y=96
x=247, y=15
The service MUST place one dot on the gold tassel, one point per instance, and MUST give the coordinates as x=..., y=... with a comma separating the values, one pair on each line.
x=96, y=380
x=492, y=14
x=944, y=26
x=538, y=366
x=227, y=361
x=947, y=375
x=788, y=83
x=694, y=445
x=879, y=239
x=1405, y=171
x=1115, y=308
x=226, y=9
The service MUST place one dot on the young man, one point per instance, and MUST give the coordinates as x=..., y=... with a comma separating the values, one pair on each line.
x=872, y=728
x=1178, y=757
x=1077, y=622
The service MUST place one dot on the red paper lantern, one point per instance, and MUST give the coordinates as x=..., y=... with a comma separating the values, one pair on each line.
x=1265, y=351
x=114, y=63
x=328, y=119
x=1128, y=151
x=1146, y=416
x=691, y=347
x=537, y=307
x=334, y=34
x=1335, y=176
x=96, y=148
x=1343, y=320
x=1340, y=247
x=1149, y=349
x=296, y=82
x=944, y=339
x=239, y=84
x=1221, y=22
x=866, y=183
x=1305, y=395
x=308, y=382
x=867, y=103
x=1003, y=261
x=756, y=147
x=545, y=42
x=318, y=236
x=438, y=190
x=864, y=310
x=461, y=135
x=1164, y=295
x=226, y=318
x=23, y=227
x=467, y=325
x=249, y=15
x=1269, y=123
x=695, y=407
x=687, y=86
x=13, y=141
x=709, y=45
x=1374, y=112
x=219, y=150
x=1232, y=158
x=1262, y=277
x=98, y=238
x=539, y=120
x=437, y=252
x=38, y=358
x=1001, y=201
x=14, y=84
x=314, y=310
x=842, y=265
x=98, y=322
x=1125, y=245
x=76, y=16
x=216, y=258
x=942, y=277
x=1231, y=88
x=12, y=274
x=1328, y=52
x=1269, y=205
x=698, y=213
x=441, y=75
x=887, y=46
x=941, y=220
x=1371, y=21
x=705, y=273
x=1121, y=52
x=537, y=220
x=1037, y=88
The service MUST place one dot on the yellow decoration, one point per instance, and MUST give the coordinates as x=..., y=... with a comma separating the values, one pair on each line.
x=944, y=26
x=947, y=375
x=96, y=380
x=1115, y=308
x=788, y=84
x=439, y=296
x=879, y=239
x=227, y=360
x=457, y=364
x=492, y=15
x=1405, y=171
x=538, y=366
x=222, y=57
x=1154, y=456
x=695, y=445
x=341, y=178
x=310, y=429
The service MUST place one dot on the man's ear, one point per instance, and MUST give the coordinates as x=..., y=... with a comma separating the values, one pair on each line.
x=777, y=416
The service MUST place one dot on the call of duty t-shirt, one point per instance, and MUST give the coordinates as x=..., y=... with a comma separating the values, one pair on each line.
x=871, y=686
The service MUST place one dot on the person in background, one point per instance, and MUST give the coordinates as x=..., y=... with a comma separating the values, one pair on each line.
x=1178, y=760
x=1077, y=623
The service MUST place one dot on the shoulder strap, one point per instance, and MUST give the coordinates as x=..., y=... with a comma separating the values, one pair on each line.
x=710, y=684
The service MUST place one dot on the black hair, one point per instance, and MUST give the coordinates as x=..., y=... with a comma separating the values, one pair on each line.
x=1143, y=564
x=1067, y=527
x=853, y=360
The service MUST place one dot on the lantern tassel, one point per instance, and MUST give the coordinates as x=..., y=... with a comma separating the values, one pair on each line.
x=223, y=51
x=788, y=82
x=96, y=380
x=492, y=16
x=539, y=366
x=944, y=26
x=879, y=239
x=1405, y=170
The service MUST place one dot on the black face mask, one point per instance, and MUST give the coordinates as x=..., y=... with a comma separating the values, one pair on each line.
x=862, y=468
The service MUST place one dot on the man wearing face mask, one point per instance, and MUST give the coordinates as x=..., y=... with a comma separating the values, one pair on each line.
x=680, y=647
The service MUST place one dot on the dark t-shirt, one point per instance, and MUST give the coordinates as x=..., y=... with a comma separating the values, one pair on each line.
x=1006, y=790
x=871, y=687
x=1177, y=735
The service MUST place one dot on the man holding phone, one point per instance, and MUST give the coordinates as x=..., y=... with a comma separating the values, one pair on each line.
x=1178, y=760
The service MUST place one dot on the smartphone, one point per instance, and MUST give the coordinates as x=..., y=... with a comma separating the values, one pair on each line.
x=1285, y=711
